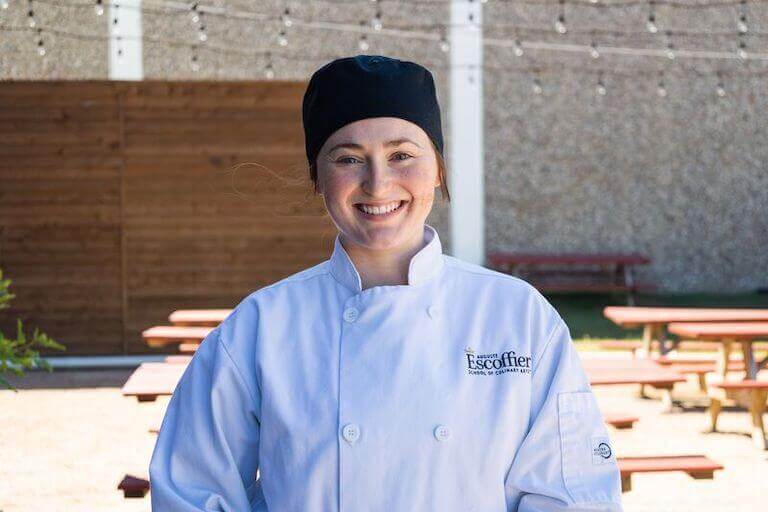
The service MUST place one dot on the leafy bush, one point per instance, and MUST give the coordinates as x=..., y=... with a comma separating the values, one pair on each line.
x=20, y=353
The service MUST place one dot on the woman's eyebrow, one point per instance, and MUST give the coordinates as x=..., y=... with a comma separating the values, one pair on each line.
x=352, y=145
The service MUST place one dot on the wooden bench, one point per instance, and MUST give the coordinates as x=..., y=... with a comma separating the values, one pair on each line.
x=133, y=487
x=608, y=372
x=753, y=392
x=151, y=380
x=198, y=317
x=697, y=466
x=621, y=421
x=566, y=273
x=165, y=335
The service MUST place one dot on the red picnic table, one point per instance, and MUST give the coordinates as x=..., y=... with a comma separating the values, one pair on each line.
x=198, y=317
x=574, y=272
x=654, y=320
x=164, y=335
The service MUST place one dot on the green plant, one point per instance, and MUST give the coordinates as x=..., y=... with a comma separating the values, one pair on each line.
x=20, y=353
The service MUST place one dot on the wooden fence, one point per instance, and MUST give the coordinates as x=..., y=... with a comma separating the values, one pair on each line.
x=120, y=202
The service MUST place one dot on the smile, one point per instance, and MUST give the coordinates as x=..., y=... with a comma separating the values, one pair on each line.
x=382, y=210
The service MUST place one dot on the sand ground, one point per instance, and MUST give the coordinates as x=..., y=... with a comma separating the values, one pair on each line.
x=69, y=437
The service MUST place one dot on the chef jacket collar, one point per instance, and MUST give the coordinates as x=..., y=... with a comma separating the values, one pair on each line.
x=424, y=264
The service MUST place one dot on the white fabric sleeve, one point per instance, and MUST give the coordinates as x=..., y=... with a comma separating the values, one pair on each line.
x=566, y=461
x=206, y=455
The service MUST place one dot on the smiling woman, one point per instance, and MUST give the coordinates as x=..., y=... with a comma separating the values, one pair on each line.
x=390, y=376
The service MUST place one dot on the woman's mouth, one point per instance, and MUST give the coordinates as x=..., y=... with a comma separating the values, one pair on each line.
x=380, y=211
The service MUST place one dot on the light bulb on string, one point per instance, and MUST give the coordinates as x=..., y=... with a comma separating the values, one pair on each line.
x=40, y=43
x=31, y=16
x=376, y=21
x=741, y=25
x=269, y=72
x=286, y=17
x=650, y=25
x=445, y=47
x=98, y=8
x=282, y=38
x=720, y=89
x=203, y=35
x=741, y=52
x=195, y=15
x=600, y=87
x=363, y=43
x=593, y=51
x=537, y=88
x=670, y=51
x=517, y=48
x=195, y=64
x=661, y=89
x=560, y=26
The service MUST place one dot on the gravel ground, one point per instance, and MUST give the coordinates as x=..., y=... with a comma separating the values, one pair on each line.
x=69, y=437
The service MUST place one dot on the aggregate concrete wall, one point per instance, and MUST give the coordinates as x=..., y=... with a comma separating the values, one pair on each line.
x=682, y=178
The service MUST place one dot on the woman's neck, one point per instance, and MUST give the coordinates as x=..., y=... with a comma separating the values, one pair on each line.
x=388, y=267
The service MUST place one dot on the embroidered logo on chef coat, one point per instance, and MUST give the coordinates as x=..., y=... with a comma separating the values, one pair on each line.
x=601, y=450
x=496, y=363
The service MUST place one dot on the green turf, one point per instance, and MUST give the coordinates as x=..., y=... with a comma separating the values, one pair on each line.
x=584, y=313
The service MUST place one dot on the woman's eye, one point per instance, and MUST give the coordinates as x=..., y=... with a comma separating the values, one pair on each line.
x=346, y=160
x=402, y=154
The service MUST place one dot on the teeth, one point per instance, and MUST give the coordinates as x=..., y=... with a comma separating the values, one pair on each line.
x=379, y=210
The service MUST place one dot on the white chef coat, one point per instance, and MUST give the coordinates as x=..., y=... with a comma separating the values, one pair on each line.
x=460, y=391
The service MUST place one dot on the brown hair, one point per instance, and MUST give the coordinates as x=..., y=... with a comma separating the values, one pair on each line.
x=442, y=172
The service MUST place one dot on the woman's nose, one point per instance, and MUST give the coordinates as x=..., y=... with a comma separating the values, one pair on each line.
x=378, y=177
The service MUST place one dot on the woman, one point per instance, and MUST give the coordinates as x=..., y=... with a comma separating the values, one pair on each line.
x=390, y=377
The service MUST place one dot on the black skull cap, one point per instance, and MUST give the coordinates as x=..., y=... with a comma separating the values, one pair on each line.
x=353, y=88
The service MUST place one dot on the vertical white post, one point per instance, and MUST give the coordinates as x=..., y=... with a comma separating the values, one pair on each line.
x=125, y=33
x=466, y=125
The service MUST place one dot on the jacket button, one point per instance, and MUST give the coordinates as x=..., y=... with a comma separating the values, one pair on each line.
x=350, y=433
x=350, y=314
x=442, y=433
x=432, y=312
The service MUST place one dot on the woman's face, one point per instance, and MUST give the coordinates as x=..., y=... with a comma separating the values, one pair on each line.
x=378, y=178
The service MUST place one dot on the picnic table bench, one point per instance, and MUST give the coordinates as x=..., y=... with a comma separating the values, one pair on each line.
x=609, y=372
x=198, y=317
x=572, y=272
x=697, y=466
x=655, y=320
x=151, y=380
x=165, y=335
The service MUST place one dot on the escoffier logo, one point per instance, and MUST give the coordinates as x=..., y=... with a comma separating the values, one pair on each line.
x=496, y=363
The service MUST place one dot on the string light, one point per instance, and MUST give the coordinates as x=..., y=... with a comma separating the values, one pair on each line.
x=119, y=47
x=661, y=90
x=31, y=15
x=600, y=88
x=195, y=16
x=98, y=8
x=593, y=51
x=537, y=88
x=286, y=17
x=742, y=23
x=720, y=89
x=269, y=71
x=363, y=42
x=742, y=50
x=650, y=25
x=195, y=64
x=445, y=47
x=517, y=48
x=560, y=23
x=282, y=38
x=670, y=52
x=376, y=21
x=201, y=32
x=40, y=44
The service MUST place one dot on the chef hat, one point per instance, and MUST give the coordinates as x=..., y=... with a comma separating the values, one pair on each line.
x=354, y=88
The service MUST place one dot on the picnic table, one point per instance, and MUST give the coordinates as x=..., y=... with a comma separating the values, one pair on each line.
x=727, y=333
x=574, y=272
x=198, y=317
x=654, y=320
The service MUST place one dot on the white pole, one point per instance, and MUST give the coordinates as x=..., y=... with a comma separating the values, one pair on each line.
x=125, y=33
x=466, y=125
